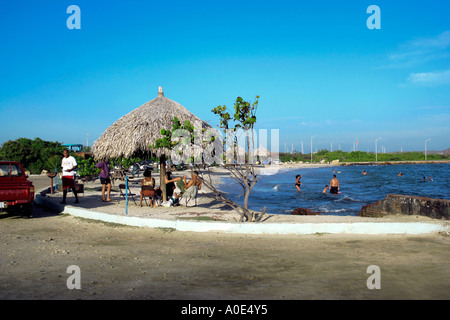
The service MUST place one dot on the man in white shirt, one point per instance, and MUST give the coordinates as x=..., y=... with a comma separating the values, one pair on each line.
x=68, y=164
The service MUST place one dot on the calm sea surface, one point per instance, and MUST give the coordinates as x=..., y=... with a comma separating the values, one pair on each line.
x=278, y=193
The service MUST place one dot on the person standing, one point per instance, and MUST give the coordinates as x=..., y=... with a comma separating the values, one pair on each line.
x=105, y=179
x=297, y=181
x=334, y=185
x=68, y=164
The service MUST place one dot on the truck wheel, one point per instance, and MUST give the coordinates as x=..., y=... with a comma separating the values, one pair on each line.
x=26, y=211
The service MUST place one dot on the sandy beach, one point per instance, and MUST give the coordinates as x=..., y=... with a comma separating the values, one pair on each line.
x=207, y=207
x=123, y=262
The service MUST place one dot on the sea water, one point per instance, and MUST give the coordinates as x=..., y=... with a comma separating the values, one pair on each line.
x=279, y=195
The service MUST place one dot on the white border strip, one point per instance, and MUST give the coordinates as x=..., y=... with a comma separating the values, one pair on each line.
x=256, y=228
x=266, y=228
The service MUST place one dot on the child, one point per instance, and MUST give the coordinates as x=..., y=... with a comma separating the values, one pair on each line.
x=325, y=190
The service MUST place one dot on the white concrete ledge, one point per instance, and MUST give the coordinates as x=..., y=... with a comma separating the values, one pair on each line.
x=266, y=228
x=255, y=228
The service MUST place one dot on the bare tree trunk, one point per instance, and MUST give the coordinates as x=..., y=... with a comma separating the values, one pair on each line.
x=246, y=197
x=207, y=181
x=244, y=213
x=249, y=171
x=162, y=176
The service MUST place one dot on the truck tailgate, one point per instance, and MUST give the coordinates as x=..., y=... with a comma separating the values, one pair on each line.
x=14, y=192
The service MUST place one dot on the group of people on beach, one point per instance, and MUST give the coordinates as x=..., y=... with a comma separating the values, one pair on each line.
x=333, y=186
x=334, y=182
x=149, y=189
x=187, y=189
x=148, y=186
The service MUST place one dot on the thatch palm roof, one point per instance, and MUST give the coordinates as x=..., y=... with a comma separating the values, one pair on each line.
x=235, y=153
x=237, y=150
x=135, y=131
x=262, y=152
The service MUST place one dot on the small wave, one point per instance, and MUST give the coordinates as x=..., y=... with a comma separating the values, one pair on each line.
x=275, y=188
x=347, y=199
x=326, y=210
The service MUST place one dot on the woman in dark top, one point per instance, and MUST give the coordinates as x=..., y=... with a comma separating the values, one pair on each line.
x=170, y=185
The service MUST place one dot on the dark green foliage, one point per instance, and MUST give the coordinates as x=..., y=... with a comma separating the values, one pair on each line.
x=168, y=143
x=244, y=114
x=35, y=155
x=166, y=140
x=86, y=167
x=359, y=156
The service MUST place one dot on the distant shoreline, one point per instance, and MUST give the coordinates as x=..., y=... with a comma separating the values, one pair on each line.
x=293, y=165
x=394, y=162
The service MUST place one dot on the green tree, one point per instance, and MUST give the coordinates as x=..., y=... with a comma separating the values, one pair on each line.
x=241, y=121
x=168, y=142
x=35, y=155
x=86, y=167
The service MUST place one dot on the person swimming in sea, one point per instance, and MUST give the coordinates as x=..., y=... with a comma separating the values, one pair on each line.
x=334, y=185
x=325, y=190
x=297, y=181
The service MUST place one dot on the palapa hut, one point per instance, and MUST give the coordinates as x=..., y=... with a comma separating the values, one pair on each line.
x=133, y=133
x=261, y=152
x=235, y=154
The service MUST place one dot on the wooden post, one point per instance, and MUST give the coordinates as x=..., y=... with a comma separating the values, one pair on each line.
x=162, y=176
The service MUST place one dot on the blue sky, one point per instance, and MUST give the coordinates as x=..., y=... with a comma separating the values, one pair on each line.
x=316, y=66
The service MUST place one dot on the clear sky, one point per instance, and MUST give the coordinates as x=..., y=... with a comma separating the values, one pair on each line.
x=319, y=70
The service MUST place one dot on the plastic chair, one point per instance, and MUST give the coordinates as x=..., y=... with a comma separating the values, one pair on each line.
x=123, y=192
x=79, y=188
x=147, y=192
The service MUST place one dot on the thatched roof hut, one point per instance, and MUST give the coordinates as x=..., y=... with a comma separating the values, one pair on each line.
x=262, y=152
x=235, y=153
x=134, y=132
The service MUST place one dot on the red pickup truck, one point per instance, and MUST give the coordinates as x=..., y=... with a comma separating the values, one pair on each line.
x=16, y=192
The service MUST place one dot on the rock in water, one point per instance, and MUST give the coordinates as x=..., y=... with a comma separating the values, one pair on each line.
x=304, y=212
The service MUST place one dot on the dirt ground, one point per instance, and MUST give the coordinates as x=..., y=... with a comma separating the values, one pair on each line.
x=122, y=262
x=131, y=263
